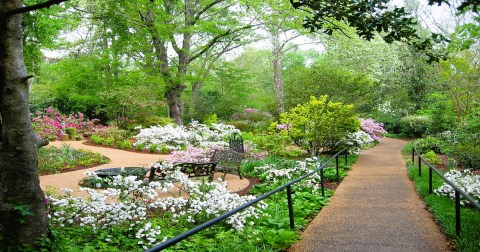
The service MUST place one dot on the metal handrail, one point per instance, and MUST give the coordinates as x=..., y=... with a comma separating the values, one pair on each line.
x=458, y=191
x=222, y=217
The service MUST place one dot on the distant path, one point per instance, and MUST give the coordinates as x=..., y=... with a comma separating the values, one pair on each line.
x=375, y=208
x=118, y=158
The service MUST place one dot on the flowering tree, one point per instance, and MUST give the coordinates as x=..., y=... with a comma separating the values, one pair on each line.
x=320, y=125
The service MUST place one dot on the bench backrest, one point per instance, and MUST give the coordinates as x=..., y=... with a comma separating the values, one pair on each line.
x=228, y=160
x=190, y=169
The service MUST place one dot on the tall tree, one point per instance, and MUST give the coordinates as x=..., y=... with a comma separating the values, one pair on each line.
x=23, y=216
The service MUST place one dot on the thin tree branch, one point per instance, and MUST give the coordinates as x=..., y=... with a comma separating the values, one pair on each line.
x=215, y=40
x=25, y=9
x=199, y=14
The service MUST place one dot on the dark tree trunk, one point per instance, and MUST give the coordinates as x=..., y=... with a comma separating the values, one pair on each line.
x=23, y=216
x=175, y=103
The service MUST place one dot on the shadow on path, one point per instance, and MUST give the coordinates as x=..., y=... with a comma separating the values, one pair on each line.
x=375, y=208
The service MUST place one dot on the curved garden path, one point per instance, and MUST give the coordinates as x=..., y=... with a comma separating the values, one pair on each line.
x=118, y=158
x=375, y=208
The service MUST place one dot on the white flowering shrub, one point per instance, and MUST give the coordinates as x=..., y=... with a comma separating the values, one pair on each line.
x=273, y=173
x=131, y=203
x=466, y=181
x=177, y=137
x=355, y=142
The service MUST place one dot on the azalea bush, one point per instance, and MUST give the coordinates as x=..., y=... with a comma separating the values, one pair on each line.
x=374, y=129
x=465, y=180
x=174, y=137
x=130, y=210
x=355, y=142
x=49, y=124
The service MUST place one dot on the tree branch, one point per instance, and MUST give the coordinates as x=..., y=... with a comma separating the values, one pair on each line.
x=25, y=9
x=199, y=14
x=215, y=40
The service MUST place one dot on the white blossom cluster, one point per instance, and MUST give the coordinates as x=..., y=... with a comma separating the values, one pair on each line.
x=274, y=174
x=466, y=181
x=208, y=200
x=174, y=137
x=128, y=202
x=355, y=142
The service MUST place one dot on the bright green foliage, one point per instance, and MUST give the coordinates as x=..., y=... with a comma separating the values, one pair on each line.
x=321, y=124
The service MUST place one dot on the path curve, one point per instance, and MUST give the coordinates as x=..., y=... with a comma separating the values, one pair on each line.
x=375, y=208
x=118, y=158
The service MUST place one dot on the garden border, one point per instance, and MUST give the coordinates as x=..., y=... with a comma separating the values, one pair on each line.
x=458, y=191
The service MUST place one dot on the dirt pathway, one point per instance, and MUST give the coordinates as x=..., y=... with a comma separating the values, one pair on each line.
x=375, y=208
x=118, y=158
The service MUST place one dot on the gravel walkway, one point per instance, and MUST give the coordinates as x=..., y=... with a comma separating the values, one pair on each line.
x=375, y=208
x=119, y=158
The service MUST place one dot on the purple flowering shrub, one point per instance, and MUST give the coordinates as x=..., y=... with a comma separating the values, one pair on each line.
x=48, y=124
x=374, y=129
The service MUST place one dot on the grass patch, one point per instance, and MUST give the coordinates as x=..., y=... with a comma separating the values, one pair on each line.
x=53, y=160
x=443, y=209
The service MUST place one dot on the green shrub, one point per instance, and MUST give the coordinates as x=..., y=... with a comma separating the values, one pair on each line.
x=427, y=144
x=432, y=158
x=468, y=154
x=153, y=148
x=415, y=125
x=71, y=132
x=109, y=141
x=320, y=124
x=97, y=139
x=124, y=144
x=140, y=146
x=209, y=119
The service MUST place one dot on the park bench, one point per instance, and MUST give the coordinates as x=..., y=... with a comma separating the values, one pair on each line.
x=190, y=169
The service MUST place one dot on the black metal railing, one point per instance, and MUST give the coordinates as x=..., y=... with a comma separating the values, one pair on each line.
x=286, y=186
x=458, y=191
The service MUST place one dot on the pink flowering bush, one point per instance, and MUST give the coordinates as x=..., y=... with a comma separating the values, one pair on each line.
x=190, y=155
x=374, y=129
x=48, y=124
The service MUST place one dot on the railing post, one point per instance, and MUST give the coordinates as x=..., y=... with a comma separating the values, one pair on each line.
x=413, y=155
x=322, y=181
x=419, y=166
x=336, y=167
x=430, y=181
x=458, y=224
x=290, y=207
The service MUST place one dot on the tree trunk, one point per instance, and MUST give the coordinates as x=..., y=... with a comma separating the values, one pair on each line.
x=23, y=216
x=277, y=72
x=175, y=102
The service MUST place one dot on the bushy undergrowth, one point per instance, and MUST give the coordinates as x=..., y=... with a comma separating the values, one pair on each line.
x=53, y=160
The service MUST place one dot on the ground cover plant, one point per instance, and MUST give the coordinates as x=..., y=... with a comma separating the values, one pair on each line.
x=53, y=160
x=443, y=206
